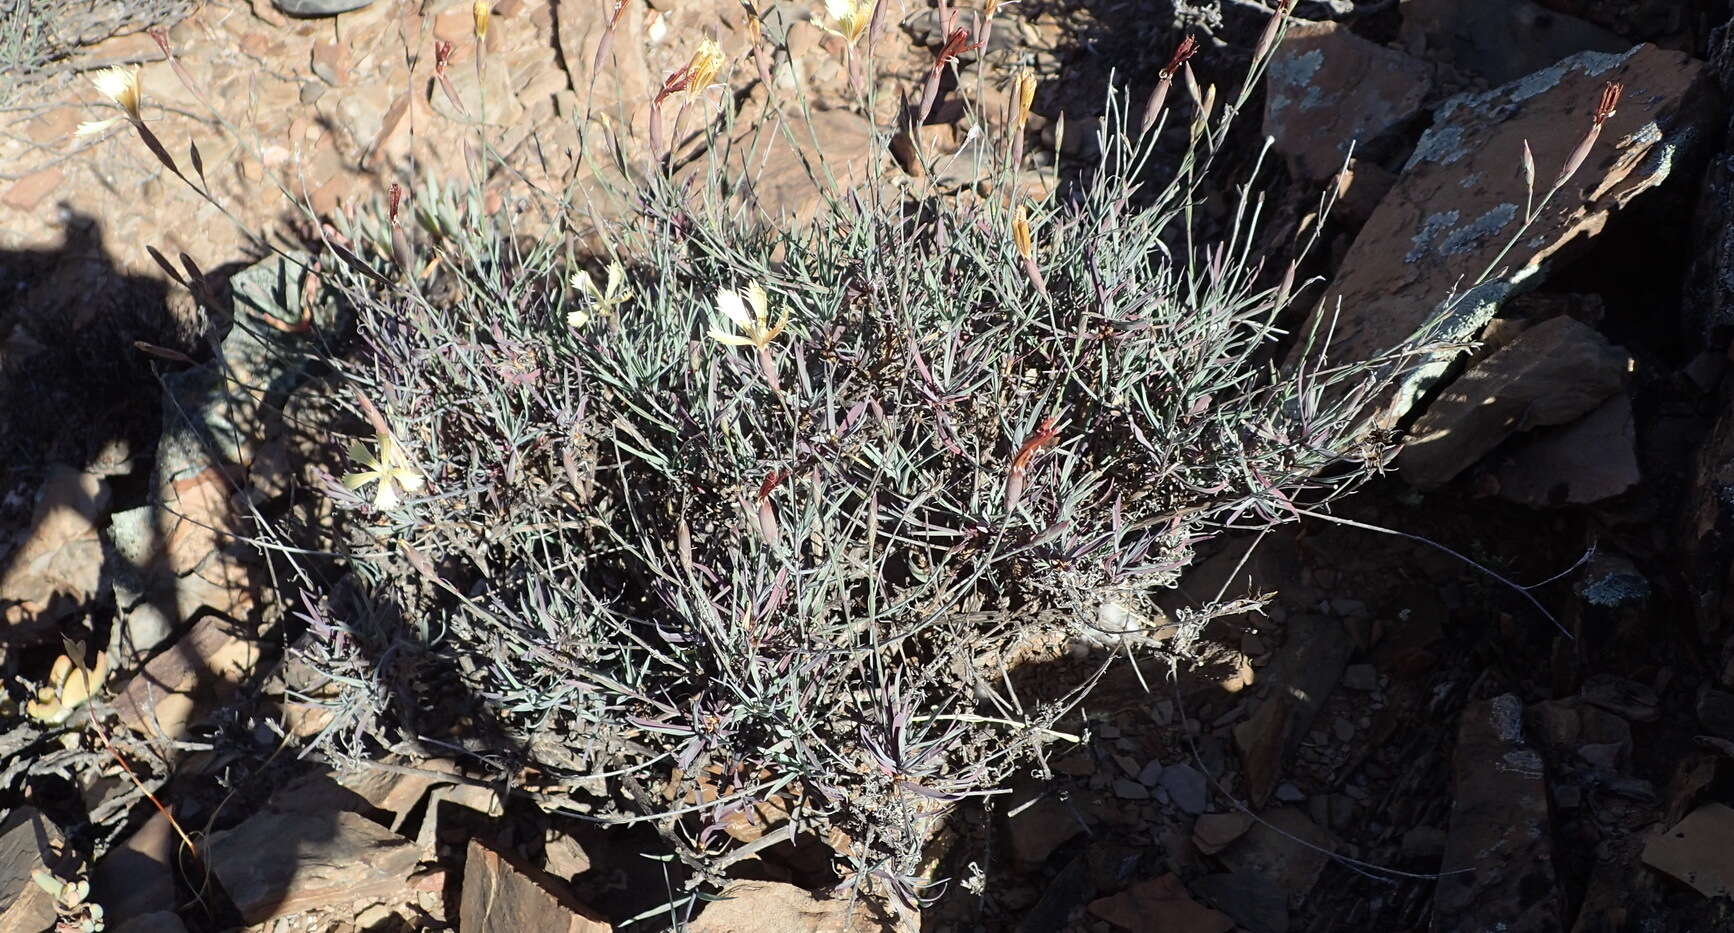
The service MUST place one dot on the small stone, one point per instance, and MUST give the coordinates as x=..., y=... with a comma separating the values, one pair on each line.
x=1163, y=710
x=1127, y=763
x=1362, y=677
x=1151, y=773
x=1344, y=729
x=1130, y=790
x=1214, y=831
x=1288, y=793
x=27, y=192
x=314, y=8
x=1186, y=787
x=1716, y=713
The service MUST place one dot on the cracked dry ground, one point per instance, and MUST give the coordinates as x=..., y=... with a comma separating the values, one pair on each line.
x=1402, y=742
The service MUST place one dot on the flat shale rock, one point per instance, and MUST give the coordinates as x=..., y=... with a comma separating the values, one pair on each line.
x=1499, y=830
x=1699, y=850
x=503, y=896
x=1553, y=373
x=1461, y=199
x=282, y=862
x=1330, y=88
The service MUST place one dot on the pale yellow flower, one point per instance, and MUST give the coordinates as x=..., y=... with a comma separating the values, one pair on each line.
x=600, y=299
x=849, y=18
x=707, y=60
x=481, y=10
x=1021, y=237
x=389, y=468
x=755, y=328
x=120, y=85
x=1023, y=96
x=68, y=688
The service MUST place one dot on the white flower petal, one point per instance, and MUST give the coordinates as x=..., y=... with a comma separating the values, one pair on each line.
x=731, y=306
x=761, y=303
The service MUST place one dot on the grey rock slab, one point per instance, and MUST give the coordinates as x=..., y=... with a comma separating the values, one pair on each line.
x=1186, y=787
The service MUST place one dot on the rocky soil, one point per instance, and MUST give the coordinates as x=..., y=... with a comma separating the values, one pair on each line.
x=1495, y=692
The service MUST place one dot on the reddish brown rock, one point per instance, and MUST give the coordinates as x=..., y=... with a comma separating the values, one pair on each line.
x=503, y=896
x=775, y=907
x=1699, y=850
x=1553, y=373
x=1160, y=904
x=179, y=685
x=284, y=862
x=1591, y=459
x=58, y=564
x=29, y=842
x=1461, y=200
x=1498, y=860
x=27, y=192
x=1329, y=88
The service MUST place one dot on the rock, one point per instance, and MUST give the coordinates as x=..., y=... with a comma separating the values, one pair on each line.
x=1500, y=830
x=182, y=684
x=1186, y=787
x=1715, y=711
x=774, y=907
x=57, y=567
x=1068, y=891
x=1253, y=902
x=1040, y=828
x=1328, y=89
x=29, y=842
x=1636, y=20
x=27, y=192
x=1160, y=904
x=1591, y=459
x=1214, y=831
x=1151, y=774
x=1553, y=373
x=1460, y=199
x=504, y=896
x=1307, y=669
x=1343, y=729
x=315, y=8
x=1289, y=793
x=282, y=862
x=1613, y=582
x=1697, y=851
x=1498, y=42
x=1616, y=694
x=781, y=181
x=1285, y=848
x=1362, y=677
x=1424, y=843
x=1127, y=789
x=137, y=876
x=564, y=856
